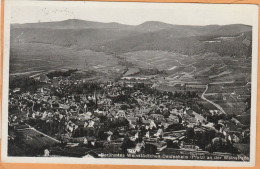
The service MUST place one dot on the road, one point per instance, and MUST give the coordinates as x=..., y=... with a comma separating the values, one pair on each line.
x=31, y=128
x=211, y=102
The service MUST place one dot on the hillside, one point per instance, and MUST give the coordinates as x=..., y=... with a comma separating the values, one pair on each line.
x=219, y=56
x=118, y=38
x=72, y=24
x=82, y=38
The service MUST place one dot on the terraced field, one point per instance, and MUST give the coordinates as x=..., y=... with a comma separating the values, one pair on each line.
x=226, y=76
x=35, y=58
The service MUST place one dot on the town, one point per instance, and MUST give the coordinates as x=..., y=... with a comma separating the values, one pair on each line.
x=54, y=114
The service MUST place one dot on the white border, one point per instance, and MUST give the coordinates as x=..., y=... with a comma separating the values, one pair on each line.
x=117, y=161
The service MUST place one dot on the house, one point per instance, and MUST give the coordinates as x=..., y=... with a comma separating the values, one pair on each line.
x=174, y=111
x=219, y=141
x=132, y=120
x=16, y=90
x=109, y=83
x=235, y=138
x=121, y=113
x=159, y=132
x=152, y=124
x=91, y=154
x=43, y=78
x=213, y=112
x=199, y=117
x=173, y=119
x=139, y=147
x=64, y=106
x=157, y=117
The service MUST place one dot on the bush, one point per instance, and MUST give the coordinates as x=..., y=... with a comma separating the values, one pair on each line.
x=67, y=73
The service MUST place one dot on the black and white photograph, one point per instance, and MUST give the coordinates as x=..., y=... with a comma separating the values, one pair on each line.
x=130, y=83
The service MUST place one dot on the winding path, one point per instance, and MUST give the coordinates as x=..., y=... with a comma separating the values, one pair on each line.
x=216, y=105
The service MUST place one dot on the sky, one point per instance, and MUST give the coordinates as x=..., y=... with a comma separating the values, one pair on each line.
x=134, y=13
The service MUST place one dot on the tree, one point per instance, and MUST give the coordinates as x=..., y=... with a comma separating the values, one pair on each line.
x=190, y=134
x=150, y=149
x=127, y=143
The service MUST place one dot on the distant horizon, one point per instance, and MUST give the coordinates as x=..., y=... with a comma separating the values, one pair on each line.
x=129, y=24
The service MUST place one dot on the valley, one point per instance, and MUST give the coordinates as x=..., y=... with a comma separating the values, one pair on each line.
x=81, y=87
x=172, y=57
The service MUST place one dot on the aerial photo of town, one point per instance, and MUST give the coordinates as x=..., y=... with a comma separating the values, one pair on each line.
x=154, y=90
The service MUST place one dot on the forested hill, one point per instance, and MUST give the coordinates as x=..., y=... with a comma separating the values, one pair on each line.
x=226, y=40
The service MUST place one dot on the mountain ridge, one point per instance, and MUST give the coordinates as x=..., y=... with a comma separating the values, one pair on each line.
x=93, y=23
x=151, y=35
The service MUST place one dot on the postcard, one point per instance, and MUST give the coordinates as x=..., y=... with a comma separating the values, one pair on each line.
x=130, y=83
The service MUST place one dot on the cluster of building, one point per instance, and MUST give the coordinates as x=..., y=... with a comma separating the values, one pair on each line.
x=121, y=118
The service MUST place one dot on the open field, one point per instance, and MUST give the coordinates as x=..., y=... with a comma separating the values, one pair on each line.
x=35, y=58
x=162, y=60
